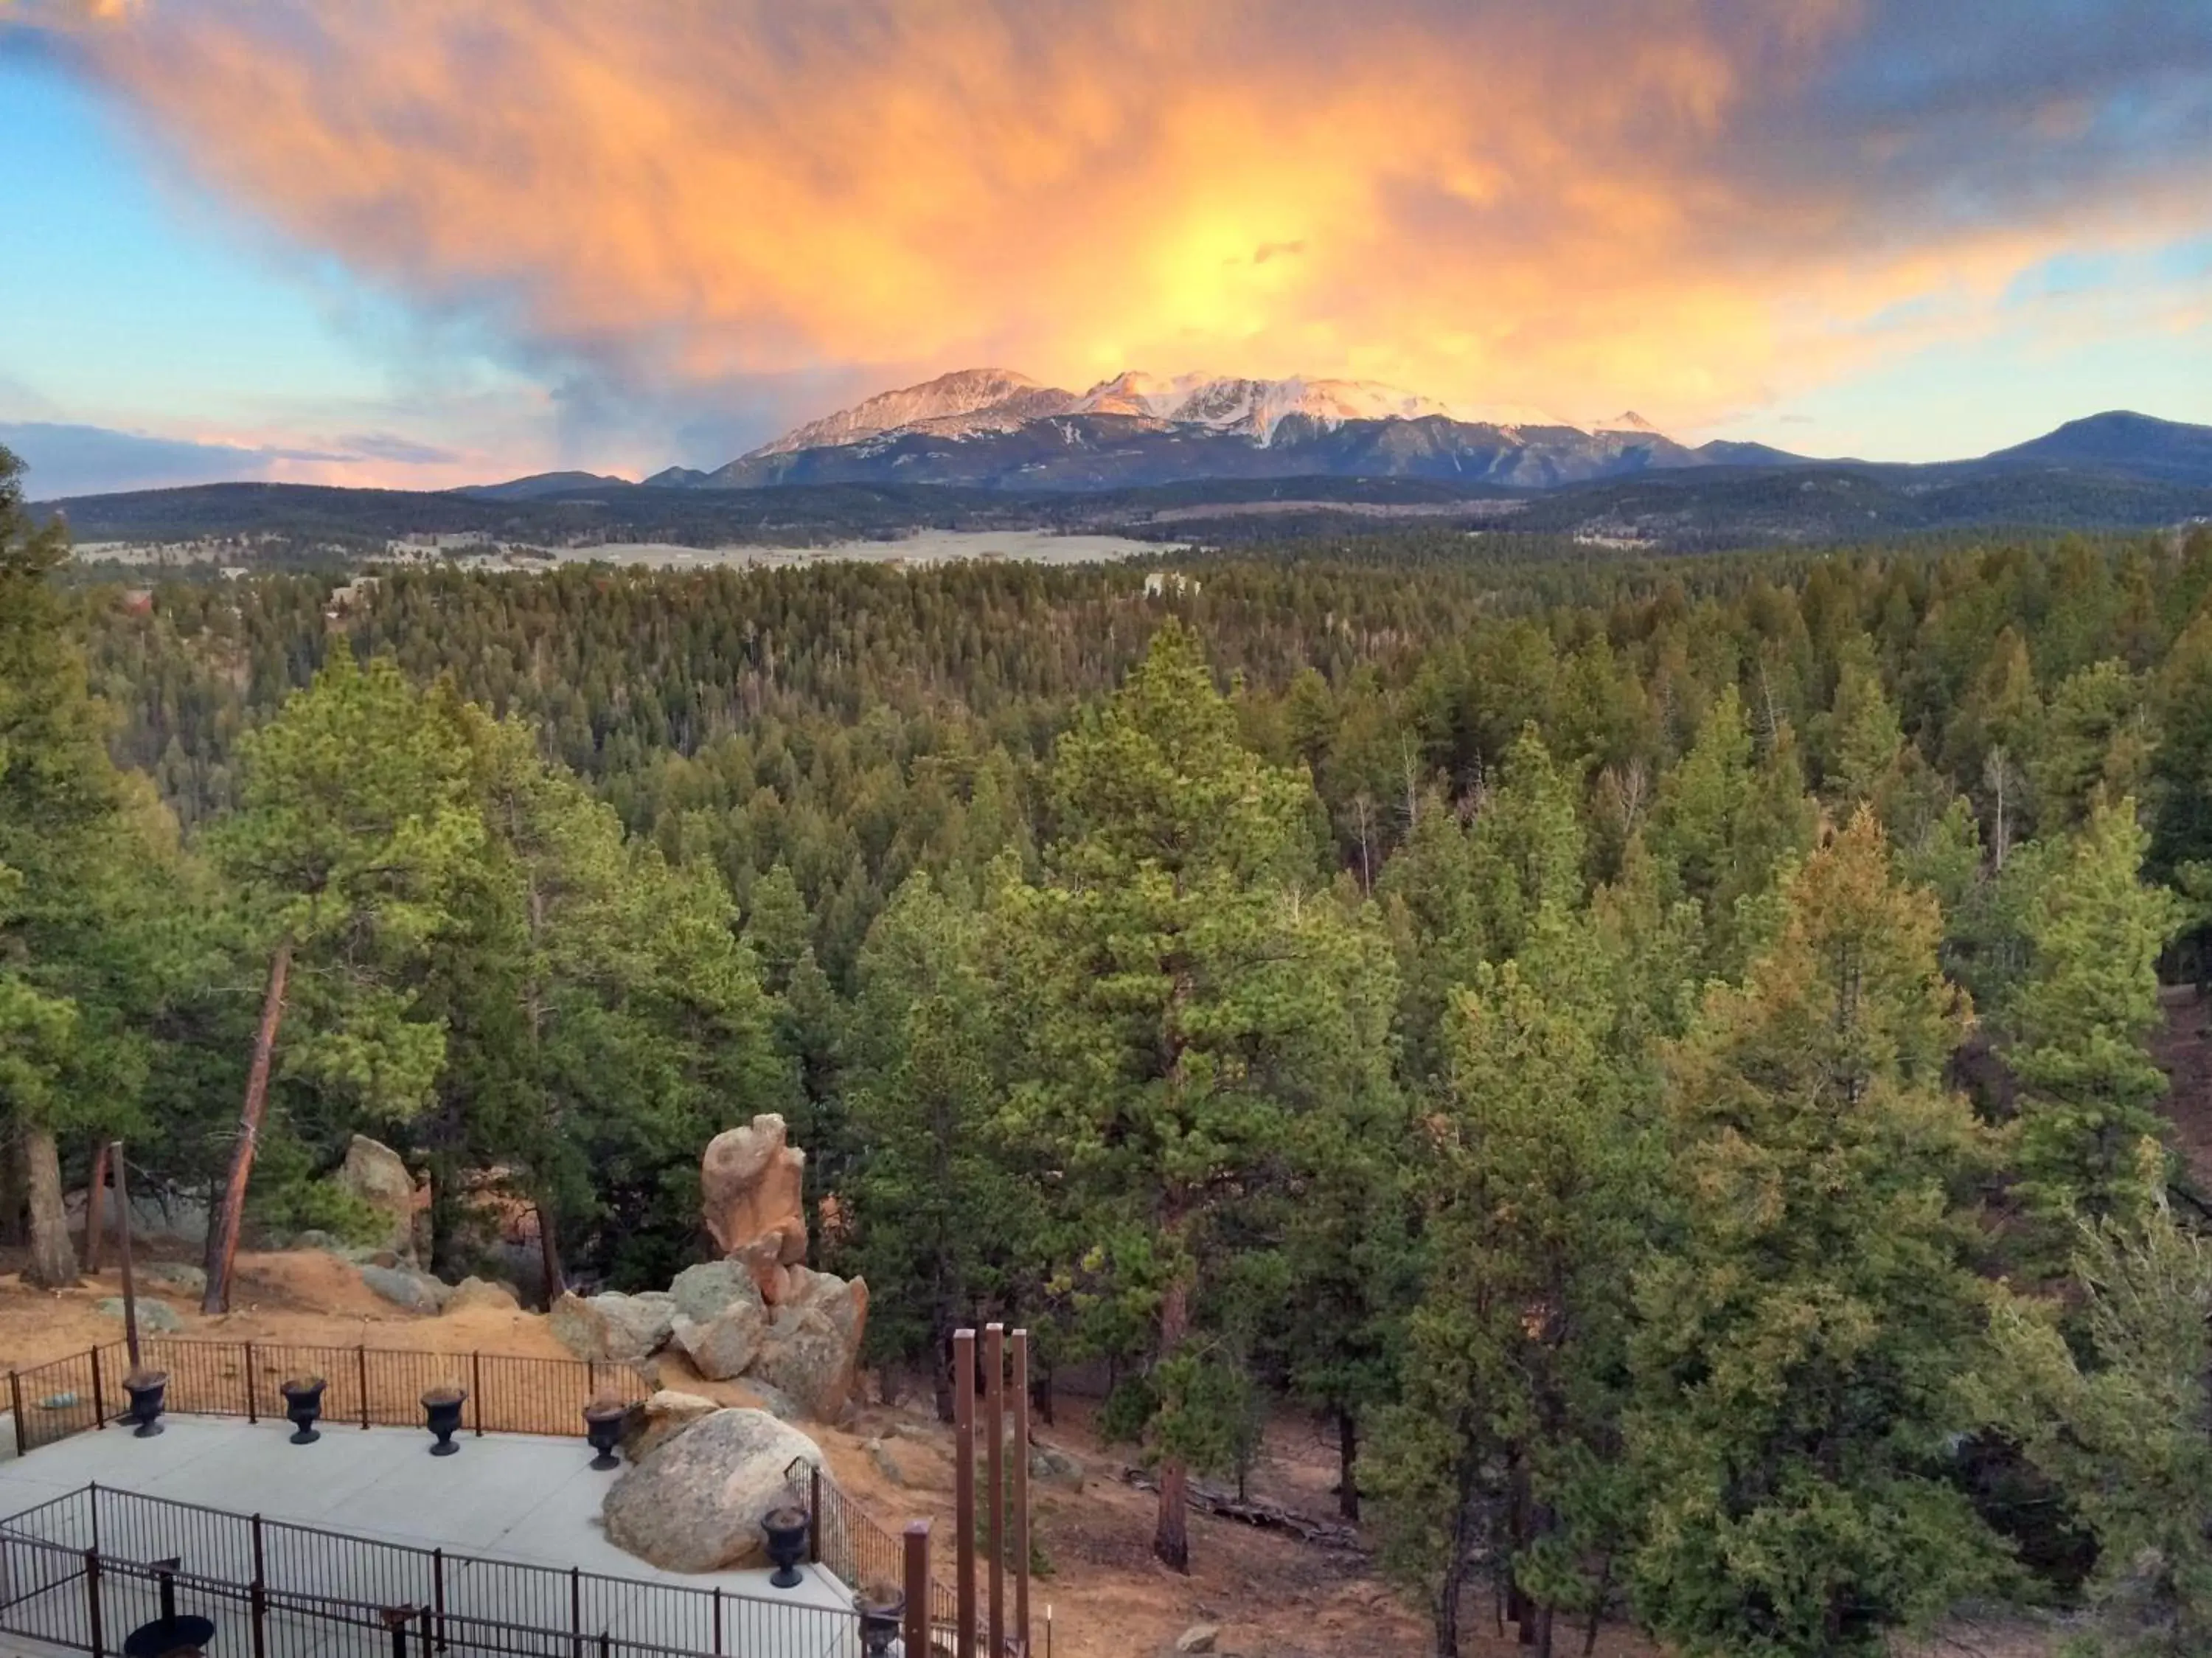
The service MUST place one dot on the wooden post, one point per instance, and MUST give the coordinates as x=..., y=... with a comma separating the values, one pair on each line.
x=1021, y=1498
x=123, y=1234
x=964, y=1493
x=995, y=1466
x=917, y=1588
x=95, y=1200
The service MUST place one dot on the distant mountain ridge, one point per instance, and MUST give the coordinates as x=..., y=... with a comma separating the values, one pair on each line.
x=998, y=429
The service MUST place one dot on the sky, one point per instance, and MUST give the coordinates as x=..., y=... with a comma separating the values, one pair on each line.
x=417, y=243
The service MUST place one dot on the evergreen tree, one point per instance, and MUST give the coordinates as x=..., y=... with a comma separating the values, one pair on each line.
x=2080, y=1022
x=356, y=819
x=1183, y=993
x=1800, y=1345
x=1539, y=1179
x=2125, y=1431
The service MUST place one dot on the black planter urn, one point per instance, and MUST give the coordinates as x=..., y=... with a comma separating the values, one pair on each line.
x=146, y=1388
x=786, y=1530
x=880, y=1608
x=603, y=1426
x=303, y=1407
x=441, y=1415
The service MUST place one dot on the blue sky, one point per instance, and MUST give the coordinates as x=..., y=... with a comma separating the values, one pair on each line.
x=260, y=242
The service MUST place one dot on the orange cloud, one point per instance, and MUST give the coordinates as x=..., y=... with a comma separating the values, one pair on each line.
x=1673, y=203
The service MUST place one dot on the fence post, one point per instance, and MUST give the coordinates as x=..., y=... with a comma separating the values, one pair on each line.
x=814, y=1515
x=963, y=1494
x=251, y=1409
x=994, y=1469
x=92, y=1502
x=576, y=1611
x=917, y=1587
x=16, y=1402
x=425, y=1648
x=1019, y=1386
x=361, y=1364
x=98, y=1394
x=717, y=1648
x=475, y=1389
x=261, y=1575
x=438, y=1592
x=92, y=1603
x=258, y=1597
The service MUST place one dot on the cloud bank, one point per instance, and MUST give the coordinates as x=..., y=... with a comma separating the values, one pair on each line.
x=1686, y=205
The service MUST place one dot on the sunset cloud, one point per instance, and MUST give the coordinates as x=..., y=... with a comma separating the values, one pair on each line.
x=1683, y=205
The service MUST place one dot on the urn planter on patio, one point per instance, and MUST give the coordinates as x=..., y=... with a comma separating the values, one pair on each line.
x=603, y=1426
x=303, y=1406
x=785, y=1531
x=146, y=1388
x=441, y=1415
x=881, y=1606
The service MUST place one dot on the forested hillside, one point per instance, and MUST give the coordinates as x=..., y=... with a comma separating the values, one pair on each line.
x=1655, y=1052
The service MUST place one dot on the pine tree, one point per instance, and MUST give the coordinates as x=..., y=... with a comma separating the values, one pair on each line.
x=1800, y=1345
x=2125, y=1431
x=1539, y=1176
x=2080, y=1023
x=1183, y=992
x=356, y=821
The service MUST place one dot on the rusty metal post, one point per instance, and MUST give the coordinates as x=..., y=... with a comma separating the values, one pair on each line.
x=995, y=1466
x=1020, y=1385
x=964, y=1493
x=917, y=1588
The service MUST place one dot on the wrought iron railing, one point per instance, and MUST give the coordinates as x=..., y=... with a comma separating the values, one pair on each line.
x=371, y=1386
x=84, y=1569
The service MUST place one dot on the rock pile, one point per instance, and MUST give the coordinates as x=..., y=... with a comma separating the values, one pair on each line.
x=759, y=1313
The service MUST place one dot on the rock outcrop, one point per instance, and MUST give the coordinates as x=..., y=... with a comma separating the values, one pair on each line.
x=627, y=1329
x=653, y=1422
x=411, y=1290
x=374, y=1173
x=749, y=1180
x=759, y=1314
x=694, y=1503
x=473, y=1293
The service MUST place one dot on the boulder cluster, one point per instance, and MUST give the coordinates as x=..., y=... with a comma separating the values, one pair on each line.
x=759, y=1313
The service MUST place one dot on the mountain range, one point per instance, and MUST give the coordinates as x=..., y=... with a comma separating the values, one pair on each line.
x=995, y=429
x=1229, y=459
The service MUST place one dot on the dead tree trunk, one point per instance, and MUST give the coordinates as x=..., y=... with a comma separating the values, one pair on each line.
x=95, y=1206
x=222, y=1225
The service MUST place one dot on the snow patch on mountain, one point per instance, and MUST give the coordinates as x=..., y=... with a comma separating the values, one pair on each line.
x=1253, y=407
x=968, y=399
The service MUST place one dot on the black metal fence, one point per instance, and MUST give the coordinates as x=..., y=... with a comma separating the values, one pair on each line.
x=83, y=1570
x=845, y=1538
x=367, y=1386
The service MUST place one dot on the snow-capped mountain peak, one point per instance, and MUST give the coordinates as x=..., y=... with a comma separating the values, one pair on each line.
x=986, y=399
x=1253, y=407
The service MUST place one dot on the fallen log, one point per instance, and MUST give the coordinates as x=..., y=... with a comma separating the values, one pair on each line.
x=1267, y=1516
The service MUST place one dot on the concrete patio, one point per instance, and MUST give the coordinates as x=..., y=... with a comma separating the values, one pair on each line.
x=504, y=1497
